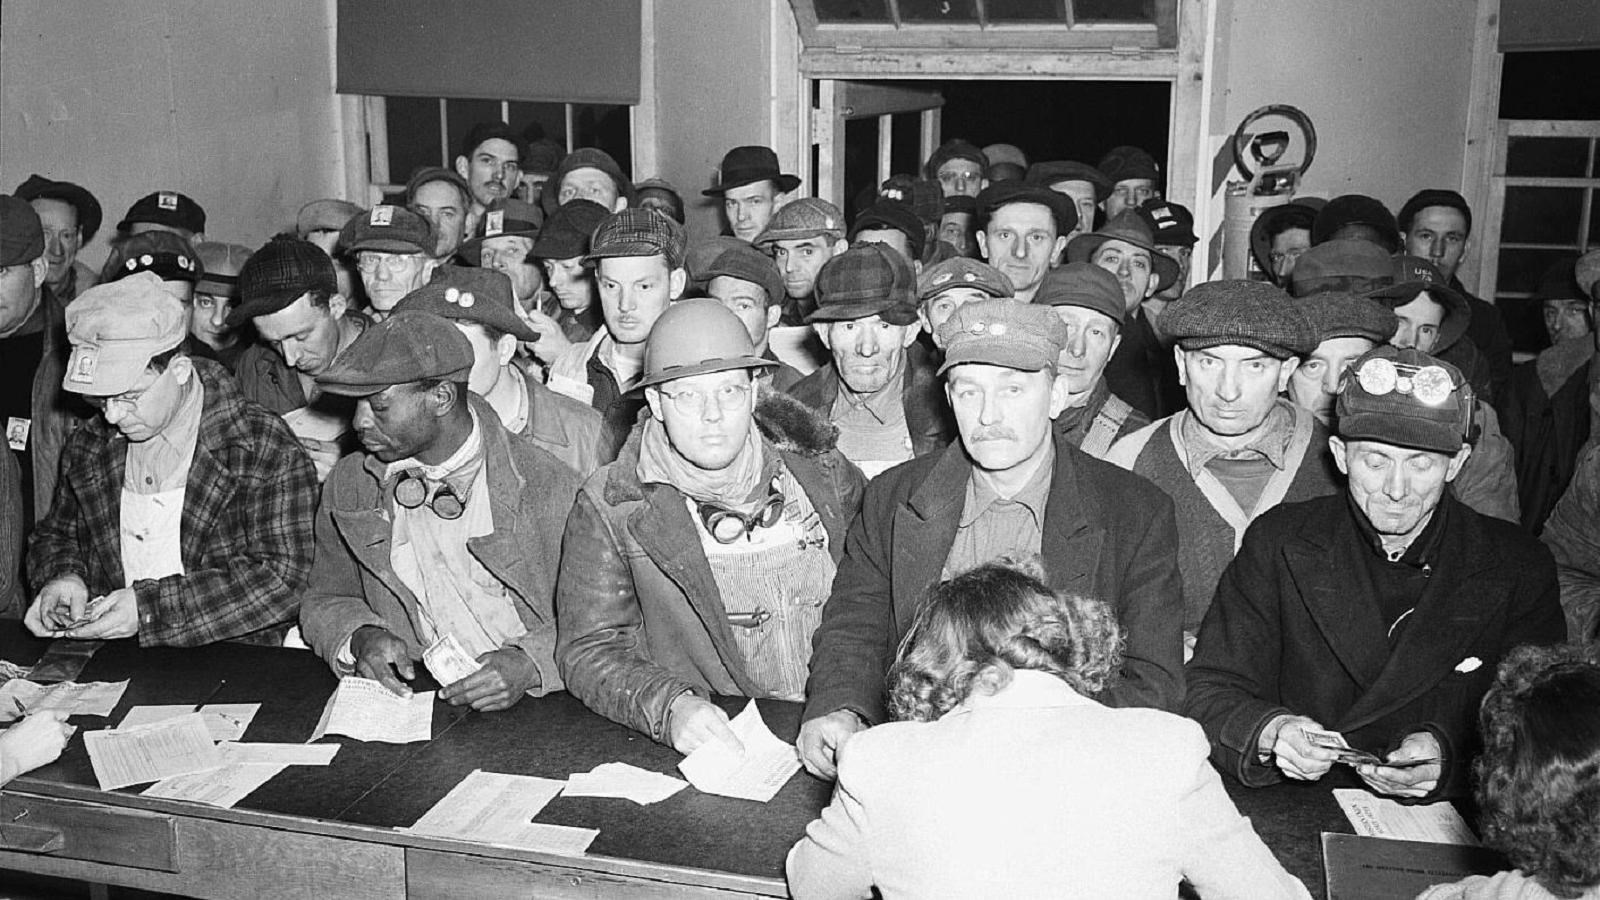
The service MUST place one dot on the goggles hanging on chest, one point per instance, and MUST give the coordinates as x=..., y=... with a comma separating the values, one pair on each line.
x=726, y=525
x=412, y=490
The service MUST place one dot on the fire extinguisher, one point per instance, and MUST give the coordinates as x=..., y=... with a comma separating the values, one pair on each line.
x=1268, y=183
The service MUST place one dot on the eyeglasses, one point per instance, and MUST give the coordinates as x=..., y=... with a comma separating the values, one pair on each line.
x=393, y=263
x=690, y=401
x=129, y=399
x=728, y=525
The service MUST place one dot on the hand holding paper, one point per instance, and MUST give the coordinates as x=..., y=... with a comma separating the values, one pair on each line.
x=755, y=774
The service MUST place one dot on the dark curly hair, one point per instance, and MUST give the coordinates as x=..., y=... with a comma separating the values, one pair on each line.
x=1539, y=775
x=999, y=616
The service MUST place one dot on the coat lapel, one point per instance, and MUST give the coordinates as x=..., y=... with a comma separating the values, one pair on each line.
x=1318, y=563
x=924, y=530
x=507, y=554
x=1070, y=547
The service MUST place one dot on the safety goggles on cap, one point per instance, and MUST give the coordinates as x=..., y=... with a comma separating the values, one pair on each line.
x=1430, y=384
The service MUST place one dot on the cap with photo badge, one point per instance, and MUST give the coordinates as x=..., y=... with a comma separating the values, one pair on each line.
x=168, y=209
x=115, y=329
x=387, y=229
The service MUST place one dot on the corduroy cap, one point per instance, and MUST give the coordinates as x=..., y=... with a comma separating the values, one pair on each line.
x=37, y=187
x=1560, y=282
x=748, y=165
x=961, y=272
x=1083, y=284
x=806, y=217
x=116, y=329
x=1062, y=210
x=639, y=232
x=1412, y=276
x=867, y=280
x=427, y=175
x=1421, y=200
x=21, y=232
x=892, y=215
x=1132, y=228
x=387, y=229
x=1022, y=336
x=1171, y=224
x=324, y=215
x=220, y=265
x=1405, y=398
x=1050, y=174
x=697, y=337
x=278, y=274
x=1126, y=163
x=168, y=209
x=506, y=217
x=955, y=148
x=1356, y=209
x=470, y=294
x=402, y=349
x=568, y=231
x=1347, y=264
x=1341, y=314
x=1005, y=153
x=1297, y=213
x=746, y=263
x=1244, y=313
x=588, y=158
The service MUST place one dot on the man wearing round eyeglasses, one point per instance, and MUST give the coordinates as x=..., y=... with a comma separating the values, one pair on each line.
x=439, y=542
x=391, y=246
x=183, y=513
x=697, y=563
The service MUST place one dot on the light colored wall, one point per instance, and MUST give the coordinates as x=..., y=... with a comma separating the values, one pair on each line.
x=229, y=101
x=1385, y=82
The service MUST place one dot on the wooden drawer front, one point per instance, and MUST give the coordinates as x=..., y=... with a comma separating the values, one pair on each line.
x=119, y=837
x=434, y=873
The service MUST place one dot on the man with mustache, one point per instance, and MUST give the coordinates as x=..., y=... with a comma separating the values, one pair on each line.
x=445, y=530
x=1010, y=487
x=490, y=161
x=1378, y=613
x=1239, y=449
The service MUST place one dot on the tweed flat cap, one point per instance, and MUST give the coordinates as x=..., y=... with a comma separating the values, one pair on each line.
x=1086, y=285
x=1339, y=314
x=1246, y=313
x=639, y=232
x=404, y=348
x=868, y=280
x=807, y=217
x=277, y=274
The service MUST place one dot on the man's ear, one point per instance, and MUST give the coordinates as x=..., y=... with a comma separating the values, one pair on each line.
x=461, y=169
x=824, y=334
x=182, y=368
x=1058, y=248
x=505, y=349
x=621, y=204
x=774, y=315
x=41, y=268
x=1457, y=461
x=677, y=282
x=1286, y=371
x=652, y=396
x=840, y=246
x=337, y=304
x=1059, y=394
x=983, y=243
x=911, y=332
x=1336, y=446
x=444, y=398
x=1177, y=358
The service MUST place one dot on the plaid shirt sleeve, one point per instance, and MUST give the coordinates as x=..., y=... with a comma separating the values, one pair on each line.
x=53, y=549
x=257, y=557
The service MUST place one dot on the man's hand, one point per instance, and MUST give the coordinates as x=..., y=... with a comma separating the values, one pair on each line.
x=380, y=655
x=821, y=738
x=33, y=742
x=1295, y=755
x=506, y=675
x=116, y=615
x=696, y=721
x=59, y=604
x=1411, y=781
x=551, y=343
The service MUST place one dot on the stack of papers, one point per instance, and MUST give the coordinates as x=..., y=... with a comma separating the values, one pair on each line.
x=366, y=710
x=491, y=808
x=278, y=754
x=245, y=767
x=224, y=721
x=756, y=774
x=175, y=746
x=1374, y=816
x=94, y=698
x=616, y=779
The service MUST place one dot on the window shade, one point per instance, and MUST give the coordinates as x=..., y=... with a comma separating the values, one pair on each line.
x=1549, y=25
x=566, y=51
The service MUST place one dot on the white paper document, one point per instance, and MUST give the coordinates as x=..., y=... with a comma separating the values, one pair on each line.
x=224, y=721
x=278, y=754
x=91, y=698
x=176, y=746
x=1373, y=816
x=492, y=808
x=765, y=766
x=365, y=710
x=448, y=662
x=222, y=787
x=617, y=779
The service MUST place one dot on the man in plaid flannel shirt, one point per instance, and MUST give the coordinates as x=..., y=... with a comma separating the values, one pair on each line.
x=183, y=515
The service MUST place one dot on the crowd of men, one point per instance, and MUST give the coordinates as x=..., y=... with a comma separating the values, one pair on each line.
x=542, y=423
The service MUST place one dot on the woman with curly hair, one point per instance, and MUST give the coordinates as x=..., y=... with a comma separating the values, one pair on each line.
x=1539, y=778
x=1003, y=777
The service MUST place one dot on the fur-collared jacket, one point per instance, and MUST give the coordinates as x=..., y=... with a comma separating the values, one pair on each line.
x=639, y=618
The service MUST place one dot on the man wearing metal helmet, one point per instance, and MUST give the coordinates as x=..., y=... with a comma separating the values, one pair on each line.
x=440, y=541
x=697, y=563
x=1364, y=627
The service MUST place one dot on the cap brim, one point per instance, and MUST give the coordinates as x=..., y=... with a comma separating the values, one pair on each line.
x=706, y=368
x=1400, y=431
x=893, y=313
x=797, y=234
x=115, y=371
x=1165, y=267
x=352, y=390
x=785, y=183
x=1007, y=357
x=386, y=246
x=631, y=248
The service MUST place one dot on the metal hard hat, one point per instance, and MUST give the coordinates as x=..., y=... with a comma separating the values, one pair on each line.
x=697, y=337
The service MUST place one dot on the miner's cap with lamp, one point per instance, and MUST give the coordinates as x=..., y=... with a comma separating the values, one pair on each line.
x=1405, y=398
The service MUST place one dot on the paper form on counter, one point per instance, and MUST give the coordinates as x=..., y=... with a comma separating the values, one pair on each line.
x=224, y=721
x=278, y=754
x=90, y=698
x=365, y=710
x=493, y=808
x=223, y=787
x=176, y=746
x=617, y=779
x=757, y=774
x=1373, y=816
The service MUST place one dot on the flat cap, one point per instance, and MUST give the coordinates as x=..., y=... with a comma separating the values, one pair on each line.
x=1022, y=336
x=1587, y=271
x=220, y=265
x=21, y=232
x=116, y=328
x=1049, y=174
x=1346, y=264
x=892, y=215
x=1125, y=163
x=506, y=217
x=278, y=274
x=1062, y=210
x=387, y=229
x=961, y=272
x=324, y=215
x=1084, y=284
x=166, y=253
x=866, y=280
x=38, y=187
x=1131, y=228
x=1356, y=209
x=746, y=263
x=806, y=217
x=569, y=230
x=639, y=232
x=1005, y=153
x=1340, y=314
x=403, y=348
x=1423, y=199
x=1406, y=398
x=955, y=148
x=588, y=158
x=470, y=294
x=1244, y=313
x=168, y=209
